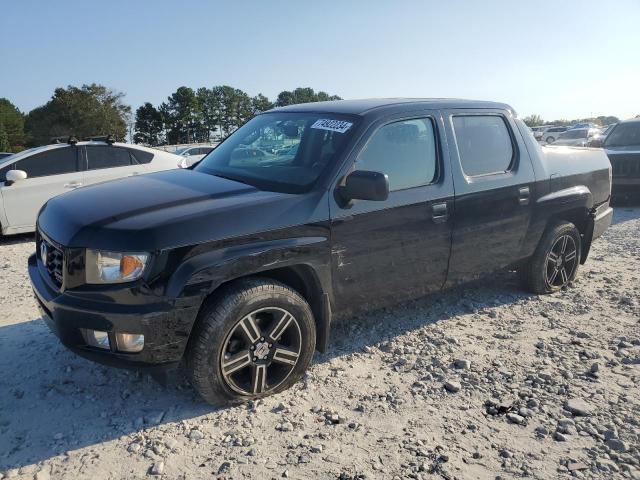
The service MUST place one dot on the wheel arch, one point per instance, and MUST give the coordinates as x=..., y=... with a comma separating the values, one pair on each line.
x=301, y=265
x=573, y=205
x=303, y=279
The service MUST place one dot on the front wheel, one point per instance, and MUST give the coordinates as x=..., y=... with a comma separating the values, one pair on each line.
x=256, y=339
x=550, y=139
x=555, y=262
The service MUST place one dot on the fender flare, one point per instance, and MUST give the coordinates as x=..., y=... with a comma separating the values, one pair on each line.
x=573, y=199
x=201, y=275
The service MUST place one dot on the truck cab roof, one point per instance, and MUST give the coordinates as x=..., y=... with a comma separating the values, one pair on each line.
x=389, y=105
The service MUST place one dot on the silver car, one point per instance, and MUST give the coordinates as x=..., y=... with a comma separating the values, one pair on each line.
x=576, y=137
x=550, y=134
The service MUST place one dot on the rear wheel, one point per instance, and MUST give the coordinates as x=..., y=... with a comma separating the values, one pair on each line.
x=555, y=262
x=550, y=139
x=257, y=339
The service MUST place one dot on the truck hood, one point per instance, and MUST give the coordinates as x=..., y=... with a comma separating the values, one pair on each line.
x=163, y=210
x=623, y=150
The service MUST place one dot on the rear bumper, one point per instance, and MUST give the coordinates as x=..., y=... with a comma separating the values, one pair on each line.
x=165, y=326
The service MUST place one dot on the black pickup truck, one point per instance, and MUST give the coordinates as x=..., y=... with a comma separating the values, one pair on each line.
x=240, y=265
x=622, y=145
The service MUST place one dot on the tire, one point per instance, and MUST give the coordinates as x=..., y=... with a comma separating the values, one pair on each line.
x=549, y=258
x=550, y=139
x=255, y=338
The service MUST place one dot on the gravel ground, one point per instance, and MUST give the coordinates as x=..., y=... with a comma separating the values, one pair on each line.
x=481, y=382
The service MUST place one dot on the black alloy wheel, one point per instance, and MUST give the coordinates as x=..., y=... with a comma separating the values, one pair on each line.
x=554, y=264
x=261, y=351
x=254, y=337
x=562, y=262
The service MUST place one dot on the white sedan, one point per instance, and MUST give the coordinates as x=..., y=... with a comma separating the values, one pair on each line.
x=191, y=155
x=29, y=178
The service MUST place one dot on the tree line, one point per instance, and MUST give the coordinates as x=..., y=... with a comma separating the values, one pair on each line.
x=188, y=115
x=538, y=121
x=208, y=114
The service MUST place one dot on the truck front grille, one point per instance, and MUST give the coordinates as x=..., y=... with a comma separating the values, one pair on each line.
x=52, y=257
x=625, y=165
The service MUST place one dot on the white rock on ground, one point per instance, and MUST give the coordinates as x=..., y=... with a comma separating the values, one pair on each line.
x=374, y=405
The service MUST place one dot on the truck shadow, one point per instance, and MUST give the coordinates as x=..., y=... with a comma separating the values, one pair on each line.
x=52, y=401
x=17, y=239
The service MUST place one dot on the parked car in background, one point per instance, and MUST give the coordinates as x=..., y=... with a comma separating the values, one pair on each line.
x=622, y=146
x=191, y=155
x=537, y=131
x=241, y=265
x=29, y=178
x=598, y=139
x=575, y=137
x=5, y=154
x=583, y=125
x=550, y=134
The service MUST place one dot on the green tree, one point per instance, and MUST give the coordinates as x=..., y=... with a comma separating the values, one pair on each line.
x=4, y=139
x=303, y=95
x=183, y=117
x=210, y=103
x=13, y=124
x=260, y=103
x=533, y=121
x=235, y=108
x=149, y=125
x=84, y=112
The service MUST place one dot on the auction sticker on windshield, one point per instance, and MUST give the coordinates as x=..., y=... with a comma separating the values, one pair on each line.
x=339, y=126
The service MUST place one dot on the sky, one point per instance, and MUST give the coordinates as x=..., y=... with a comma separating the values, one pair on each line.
x=559, y=59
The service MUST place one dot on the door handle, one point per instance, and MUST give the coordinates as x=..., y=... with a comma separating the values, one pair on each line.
x=440, y=213
x=523, y=196
x=72, y=185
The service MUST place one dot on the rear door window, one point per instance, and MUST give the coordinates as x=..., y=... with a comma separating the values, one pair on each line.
x=484, y=144
x=52, y=162
x=107, y=157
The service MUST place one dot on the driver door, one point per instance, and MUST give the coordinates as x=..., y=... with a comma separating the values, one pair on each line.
x=387, y=251
x=49, y=173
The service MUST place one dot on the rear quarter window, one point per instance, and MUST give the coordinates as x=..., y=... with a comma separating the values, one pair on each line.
x=140, y=156
x=484, y=144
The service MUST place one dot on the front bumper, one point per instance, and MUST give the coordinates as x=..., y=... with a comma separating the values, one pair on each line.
x=165, y=323
x=602, y=221
x=625, y=186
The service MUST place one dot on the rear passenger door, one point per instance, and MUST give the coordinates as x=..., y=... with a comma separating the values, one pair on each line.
x=108, y=162
x=387, y=251
x=494, y=181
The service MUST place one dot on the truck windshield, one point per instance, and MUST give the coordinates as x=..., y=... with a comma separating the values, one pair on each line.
x=281, y=151
x=624, y=135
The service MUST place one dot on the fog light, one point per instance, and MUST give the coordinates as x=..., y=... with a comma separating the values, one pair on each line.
x=129, y=342
x=96, y=338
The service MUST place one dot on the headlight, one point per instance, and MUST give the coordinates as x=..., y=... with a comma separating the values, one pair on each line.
x=112, y=267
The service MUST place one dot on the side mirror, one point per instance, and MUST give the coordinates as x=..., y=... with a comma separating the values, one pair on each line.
x=14, y=176
x=186, y=154
x=365, y=185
